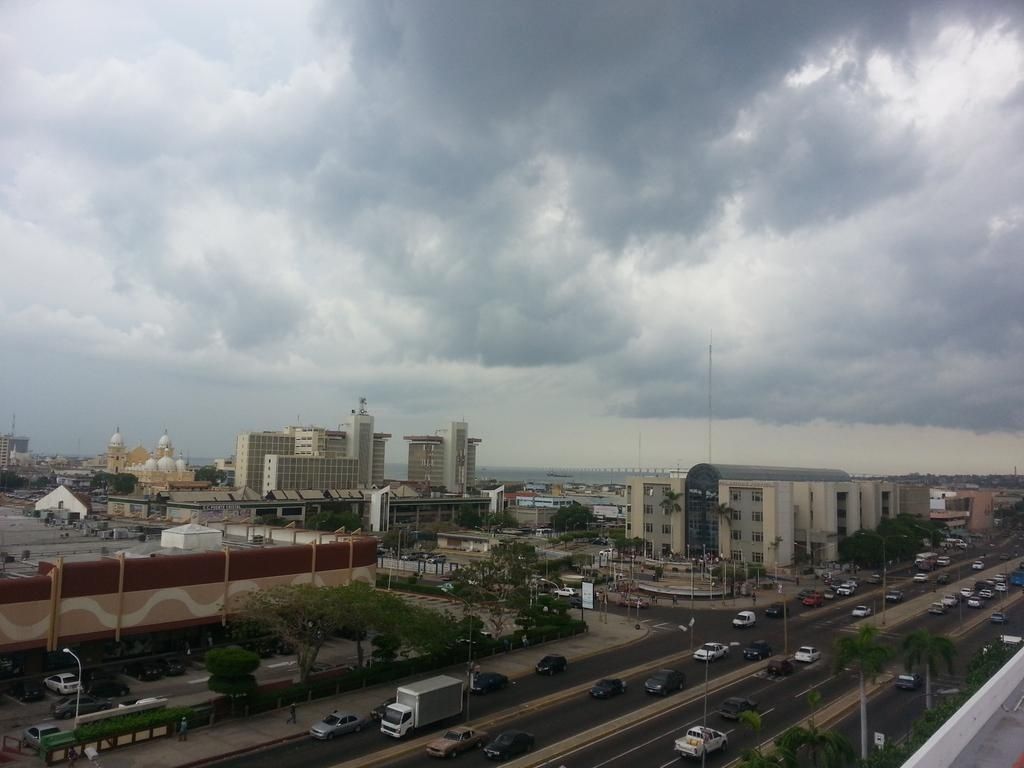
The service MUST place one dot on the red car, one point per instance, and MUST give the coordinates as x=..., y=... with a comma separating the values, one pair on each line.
x=634, y=602
x=814, y=600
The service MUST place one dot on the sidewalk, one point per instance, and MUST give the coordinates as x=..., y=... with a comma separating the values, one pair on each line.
x=238, y=736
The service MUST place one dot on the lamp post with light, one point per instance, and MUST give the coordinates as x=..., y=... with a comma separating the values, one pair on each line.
x=78, y=691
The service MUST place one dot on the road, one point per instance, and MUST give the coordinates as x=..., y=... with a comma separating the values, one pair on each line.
x=782, y=702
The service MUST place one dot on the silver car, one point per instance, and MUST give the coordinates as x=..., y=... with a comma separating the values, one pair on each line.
x=338, y=724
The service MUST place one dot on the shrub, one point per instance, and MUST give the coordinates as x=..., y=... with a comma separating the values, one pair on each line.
x=136, y=721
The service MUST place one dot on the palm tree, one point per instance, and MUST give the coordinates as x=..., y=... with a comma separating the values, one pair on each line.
x=924, y=648
x=754, y=757
x=864, y=653
x=825, y=748
x=670, y=502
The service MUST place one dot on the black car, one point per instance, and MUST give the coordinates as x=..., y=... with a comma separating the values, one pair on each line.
x=377, y=713
x=910, y=682
x=549, y=665
x=143, y=670
x=173, y=666
x=665, y=681
x=28, y=690
x=509, y=744
x=944, y=578
x=64, y=709
x=775, y=611
x=106, y=688
x=576, y=601
x=608, y=687
x=734, y=705
x=485, y=682
x=757, y=650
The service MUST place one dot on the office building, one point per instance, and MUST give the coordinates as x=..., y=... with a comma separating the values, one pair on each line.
x=251, y=450
x=446, y=459
x=287, y=473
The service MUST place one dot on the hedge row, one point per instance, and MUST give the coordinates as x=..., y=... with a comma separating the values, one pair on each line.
x=130, y=723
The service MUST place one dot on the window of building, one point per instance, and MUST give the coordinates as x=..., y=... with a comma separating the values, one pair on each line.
x=648, y=509
x=757, y=516
x=737, y=514
x=737, y=535
x=649, y=527
x=757, y=495
x=757, y=557
x=648, y=490
x=735, y=495
x=841, y=514
x=756, y=536
x=666, y=528
x=737, y=555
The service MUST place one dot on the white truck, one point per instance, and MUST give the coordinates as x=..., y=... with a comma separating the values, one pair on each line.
x=421, y=704
x=700, y=741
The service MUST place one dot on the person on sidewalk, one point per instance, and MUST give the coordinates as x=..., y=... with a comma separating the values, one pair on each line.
x=183, y=730
x=72, y=757
x=291, y=714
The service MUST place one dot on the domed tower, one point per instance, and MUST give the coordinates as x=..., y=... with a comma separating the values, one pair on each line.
x=116, y=457
x=164, y=447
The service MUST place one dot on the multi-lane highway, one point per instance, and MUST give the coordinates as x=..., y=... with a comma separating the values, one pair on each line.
x=611, y=743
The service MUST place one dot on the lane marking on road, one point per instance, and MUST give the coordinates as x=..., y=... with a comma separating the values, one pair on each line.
x=664, y=625
x=816, y=685
x=280, y=664
x=200, y=680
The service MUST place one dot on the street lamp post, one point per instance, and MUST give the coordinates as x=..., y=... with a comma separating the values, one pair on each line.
x=704, y=752
x=78, y=692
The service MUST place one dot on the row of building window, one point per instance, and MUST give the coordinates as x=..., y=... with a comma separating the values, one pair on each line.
x=665, y=528
x=755, y=557
x=755, y=536
x=737, y=496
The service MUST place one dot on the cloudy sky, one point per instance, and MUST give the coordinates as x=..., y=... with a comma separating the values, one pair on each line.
x=218, y=217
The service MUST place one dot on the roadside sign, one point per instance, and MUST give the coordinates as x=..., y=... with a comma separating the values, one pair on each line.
x=879, y=739
x=588, y=595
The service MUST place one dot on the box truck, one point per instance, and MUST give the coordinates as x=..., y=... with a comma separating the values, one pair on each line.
x=421, y=704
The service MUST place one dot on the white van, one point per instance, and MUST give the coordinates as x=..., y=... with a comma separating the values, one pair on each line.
x=744, y=619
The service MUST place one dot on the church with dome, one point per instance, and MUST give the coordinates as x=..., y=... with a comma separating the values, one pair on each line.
x=156, y=469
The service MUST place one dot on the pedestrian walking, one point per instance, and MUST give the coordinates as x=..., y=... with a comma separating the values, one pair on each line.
x=291, y=714
x=183, y=730
x=526, y=641
x=72, y=756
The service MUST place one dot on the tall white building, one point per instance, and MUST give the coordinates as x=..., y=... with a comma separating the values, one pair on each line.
x=446, y=458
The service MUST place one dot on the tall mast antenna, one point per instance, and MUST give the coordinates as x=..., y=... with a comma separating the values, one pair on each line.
x=710, y=339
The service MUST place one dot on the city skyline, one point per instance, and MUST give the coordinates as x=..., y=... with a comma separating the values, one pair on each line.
x=528, y=217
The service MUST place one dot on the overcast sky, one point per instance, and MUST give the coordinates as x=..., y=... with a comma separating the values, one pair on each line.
x=217, y=217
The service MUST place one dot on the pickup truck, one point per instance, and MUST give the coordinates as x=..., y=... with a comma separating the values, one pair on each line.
x=700, y=741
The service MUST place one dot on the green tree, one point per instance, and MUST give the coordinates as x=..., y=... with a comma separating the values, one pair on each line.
x=332, y=520
x=928, y=650
x=231, y=671
x=824, y=748
x=210, y=474
x=867, y=656
x=670, y=502
x=363, y=608
x=469, y=518
x=573, y=517
x=123, y=483
x=499, y=585
x=11, y=480
x=755, y=757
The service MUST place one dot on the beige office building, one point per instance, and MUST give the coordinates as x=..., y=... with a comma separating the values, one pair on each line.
x=287, y=473
x=251, y=450
x=446, y=459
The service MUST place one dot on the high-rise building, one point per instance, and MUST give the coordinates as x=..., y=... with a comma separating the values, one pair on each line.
x=6, y=448
x=287, y=473
x=251, y=448
x=447, y=458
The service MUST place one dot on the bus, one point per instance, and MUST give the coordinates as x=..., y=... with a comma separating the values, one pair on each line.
x=925, y=561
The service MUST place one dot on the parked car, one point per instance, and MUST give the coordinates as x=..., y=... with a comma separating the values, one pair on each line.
x=455, y=741
x=734, y=705
x=908, y=682
x=174, y=666
x=999, y=618
x=807, y=654
x=62, y=683
x=337, y=724
x=757, y=650
x=485, y=682
x=549, y=665
x=107, y=688
x=894, y=596
x=711, y=652
x=775, y=610
x=509, y=744
x=744, y=619
x=862, y=611
x=665, y=681
x=28, y=690
x=64, y=709
x=143, y=670
x=814, y=600
x=608, y=687
x=780, y=666
x=34, y=735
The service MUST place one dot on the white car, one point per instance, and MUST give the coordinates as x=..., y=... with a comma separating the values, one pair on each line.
x=64, y=683
x=974, y=602
x=565, y=592
x=950, y=601
x=966, y=592
x=711, y=652
x=978, y=565
x=861, y=611
x=845, y=590
x=999, y=577
x=807, y=654
x=943, y=561
x=987, y=594
x=920, y=577
x=1000, y=586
